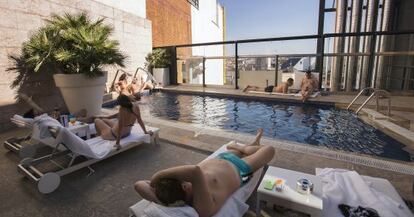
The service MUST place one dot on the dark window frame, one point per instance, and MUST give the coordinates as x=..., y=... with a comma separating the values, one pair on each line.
x=194, y=3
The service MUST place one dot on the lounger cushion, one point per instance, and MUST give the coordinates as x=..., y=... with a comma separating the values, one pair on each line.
x=313, y=95
x=235, y=206
x=97, y=147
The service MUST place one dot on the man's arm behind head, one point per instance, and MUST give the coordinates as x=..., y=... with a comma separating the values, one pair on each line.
x=146, y=191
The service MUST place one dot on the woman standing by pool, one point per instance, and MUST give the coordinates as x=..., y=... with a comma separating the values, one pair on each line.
x=129, y=112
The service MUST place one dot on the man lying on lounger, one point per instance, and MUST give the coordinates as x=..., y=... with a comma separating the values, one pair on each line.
x=308, y=86
x=207, y=185
x=281, y=88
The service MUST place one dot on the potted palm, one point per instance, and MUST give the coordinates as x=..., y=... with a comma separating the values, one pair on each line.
x=159, y=61
x=75, y=49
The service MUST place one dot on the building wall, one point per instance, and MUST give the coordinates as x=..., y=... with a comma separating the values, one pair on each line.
x=402, y=43
x=136, y=7
x=207, y=25
x=171, y=22
x=18, y=19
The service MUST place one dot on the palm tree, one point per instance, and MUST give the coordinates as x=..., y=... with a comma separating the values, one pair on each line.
x=72, y=44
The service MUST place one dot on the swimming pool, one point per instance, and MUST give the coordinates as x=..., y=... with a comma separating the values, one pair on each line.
x=309, y=124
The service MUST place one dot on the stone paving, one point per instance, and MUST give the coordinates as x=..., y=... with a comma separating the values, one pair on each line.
x=107, y=192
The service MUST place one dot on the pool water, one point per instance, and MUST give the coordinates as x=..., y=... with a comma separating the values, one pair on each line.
x=309, y=124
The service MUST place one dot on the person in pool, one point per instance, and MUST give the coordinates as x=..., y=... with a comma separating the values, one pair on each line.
x=207, y=185
x=281, y=88
x=129, y=112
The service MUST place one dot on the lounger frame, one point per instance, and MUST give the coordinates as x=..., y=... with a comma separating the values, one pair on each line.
x=15, y=144
x=48, y=182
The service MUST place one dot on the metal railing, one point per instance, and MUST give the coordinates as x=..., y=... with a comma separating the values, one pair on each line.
x=320, y=52
x=376, y=93
x=359, y=94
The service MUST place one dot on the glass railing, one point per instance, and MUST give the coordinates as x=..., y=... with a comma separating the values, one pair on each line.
x=345, y=62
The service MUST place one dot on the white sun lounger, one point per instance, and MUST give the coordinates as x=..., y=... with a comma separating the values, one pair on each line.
x=92, y=150
x=235, y=206
x=313, y=95
x=16, y=144
x=26, y=146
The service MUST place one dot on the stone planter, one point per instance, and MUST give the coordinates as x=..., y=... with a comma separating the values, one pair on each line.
x=162, y=75
x=80, y=92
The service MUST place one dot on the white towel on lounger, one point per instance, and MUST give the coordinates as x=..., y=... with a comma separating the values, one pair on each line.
x=348, y=187
x=42, y=122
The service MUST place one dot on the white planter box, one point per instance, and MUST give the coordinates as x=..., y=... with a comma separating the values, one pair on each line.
x=162, y=76
x=80, y=92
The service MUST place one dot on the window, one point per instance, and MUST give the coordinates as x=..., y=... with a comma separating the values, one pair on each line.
x=194, y=3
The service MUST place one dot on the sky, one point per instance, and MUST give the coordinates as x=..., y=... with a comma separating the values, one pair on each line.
x=273, y=18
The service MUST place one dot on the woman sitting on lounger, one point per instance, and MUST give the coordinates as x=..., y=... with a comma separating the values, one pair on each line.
x=115, y=130
x=207, y=185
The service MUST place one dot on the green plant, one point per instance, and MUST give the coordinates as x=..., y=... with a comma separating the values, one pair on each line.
x=72, y=44
x=159, y=58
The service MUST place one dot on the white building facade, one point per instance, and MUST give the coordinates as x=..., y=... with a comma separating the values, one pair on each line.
x=208, y=25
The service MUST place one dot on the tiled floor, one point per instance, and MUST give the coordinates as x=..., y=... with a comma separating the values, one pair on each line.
x=107, y=192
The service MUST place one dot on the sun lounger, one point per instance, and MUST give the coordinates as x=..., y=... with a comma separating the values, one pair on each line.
x=15, y=143
x=92, y=151
x=235, y=206
x=38, y=136
x=348, y=187
x=313, y=95
x=34, y=136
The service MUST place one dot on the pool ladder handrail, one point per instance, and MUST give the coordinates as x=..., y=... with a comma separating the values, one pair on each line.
x=146, y=71
x=359, y=94
x=376, y=92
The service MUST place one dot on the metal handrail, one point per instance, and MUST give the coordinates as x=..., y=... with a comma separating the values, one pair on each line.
x=146, y=71
x=359, y=94
x=140, y=68
x=378, y=93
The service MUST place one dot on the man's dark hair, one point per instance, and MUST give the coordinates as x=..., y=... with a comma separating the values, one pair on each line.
x=290, y=80
x=169, y=191
x=308, y=72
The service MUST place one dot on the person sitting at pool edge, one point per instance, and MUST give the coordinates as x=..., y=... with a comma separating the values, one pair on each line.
x=281, y=88
x=308, y=86
x=207, y=185
x=129, y=112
